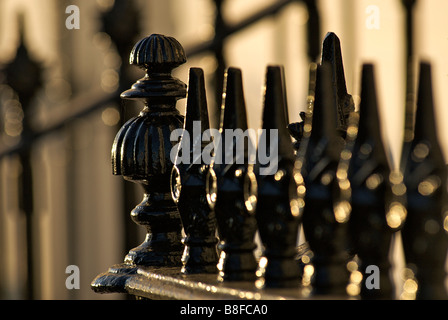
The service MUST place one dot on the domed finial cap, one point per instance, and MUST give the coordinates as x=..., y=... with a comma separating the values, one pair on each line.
x=158, y=54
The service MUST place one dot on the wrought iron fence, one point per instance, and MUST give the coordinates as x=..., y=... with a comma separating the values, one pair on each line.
x=319, y=161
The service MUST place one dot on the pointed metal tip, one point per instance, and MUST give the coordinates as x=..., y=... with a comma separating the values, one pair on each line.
x=369, y=126
x=196, y=109
x=233, y=109
x=324, y=114
x=369, y=117
x=331, y=48
x=425, y=123
x=368, y=88
x=331, y=36
x=332, y=53
x=425, y=94
x=275, y=110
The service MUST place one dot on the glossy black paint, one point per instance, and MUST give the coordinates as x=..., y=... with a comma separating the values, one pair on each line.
x=188, y=186
x=142, y=147
x=372, y=211
x=277, y=207
x=225, y=191
x=326, y=236
x=425, y=232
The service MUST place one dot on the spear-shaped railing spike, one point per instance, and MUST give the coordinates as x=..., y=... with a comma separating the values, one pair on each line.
x=196, y=114
x=369, y=126
x=325, y=233
x=366, y=166
x=324, y=129
x=188, y=184
x=275, y=112
x=424, y=234
x=332, y=53
x=277, y=208
x=233, y=108
x=425, y=118
x=225, y=183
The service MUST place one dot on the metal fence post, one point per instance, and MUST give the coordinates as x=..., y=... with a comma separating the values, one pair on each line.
x=141, y=153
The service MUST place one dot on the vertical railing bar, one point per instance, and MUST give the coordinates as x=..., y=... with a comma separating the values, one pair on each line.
x=410, y=74
x=25, y=94
x=26, y=203
x=313, y=30
x=218, y=51
x=231, y=29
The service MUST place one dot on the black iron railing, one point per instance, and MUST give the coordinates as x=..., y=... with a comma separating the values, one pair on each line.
x=334, y=180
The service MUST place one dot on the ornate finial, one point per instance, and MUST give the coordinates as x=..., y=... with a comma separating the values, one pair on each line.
x=225, y=193
x=141, y=153
x=188, y=185
x=277, y=206
x=363, y=174
x=325, y=232
x=158, y=55
x=24, y=76
x=424, y=234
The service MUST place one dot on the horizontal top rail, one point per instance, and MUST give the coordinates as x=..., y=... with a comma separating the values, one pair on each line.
x=155, y=282
x=90, y=102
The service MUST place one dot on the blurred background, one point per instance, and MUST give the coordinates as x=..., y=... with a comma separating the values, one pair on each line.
x=60, y=205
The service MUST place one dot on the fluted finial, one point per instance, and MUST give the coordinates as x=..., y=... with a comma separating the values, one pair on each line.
x=158, y=55
x=325, y=232
x=141, y=153
x=277, y=208
x=188, y=184
x=225, y=188
x=332, y=53
x=425, y=232
x=142, y=148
